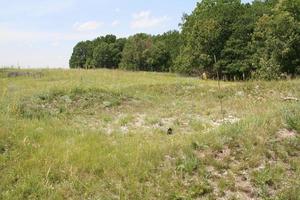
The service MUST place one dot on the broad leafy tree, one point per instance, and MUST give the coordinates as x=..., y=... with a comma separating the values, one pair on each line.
x=134, y=53
x=223, y=38
x=82, y=53
x=276, y=41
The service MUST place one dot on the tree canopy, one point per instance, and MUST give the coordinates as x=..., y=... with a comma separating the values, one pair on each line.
x=220, y=37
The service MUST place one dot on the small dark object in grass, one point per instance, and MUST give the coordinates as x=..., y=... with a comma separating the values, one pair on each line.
x=2, y=150
x=170, y=131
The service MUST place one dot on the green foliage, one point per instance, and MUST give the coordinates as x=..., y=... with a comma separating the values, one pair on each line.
x=134, y=53
x=57, y=102
x=82, y=53
x=157, y=57
x=103, y=52
x=171, y=41
x=292, y=117
x=271, y=176
x=150, y=53
x=263, y=42
x=188, y=164
x=276, y=41
x=103, y=55
x=205, y=33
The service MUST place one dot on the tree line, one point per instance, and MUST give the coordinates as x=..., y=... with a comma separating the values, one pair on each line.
x=221, y=38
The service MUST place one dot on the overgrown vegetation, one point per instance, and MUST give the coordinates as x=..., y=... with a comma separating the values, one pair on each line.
x=224, y=38
x=74, y=102
x=96, y=134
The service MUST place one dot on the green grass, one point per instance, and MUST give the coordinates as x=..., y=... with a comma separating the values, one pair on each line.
x=76, y=134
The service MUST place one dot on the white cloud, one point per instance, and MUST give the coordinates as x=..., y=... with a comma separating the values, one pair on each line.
x=144, y=19
x=17, y=35
x=117, y=10
x=87, y=26
x=30, y=48
x=115, y=23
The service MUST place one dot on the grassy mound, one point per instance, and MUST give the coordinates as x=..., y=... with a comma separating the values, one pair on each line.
x=76, y=101
x=108, y=139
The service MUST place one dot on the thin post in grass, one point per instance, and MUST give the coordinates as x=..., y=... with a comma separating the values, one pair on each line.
x=219, y=87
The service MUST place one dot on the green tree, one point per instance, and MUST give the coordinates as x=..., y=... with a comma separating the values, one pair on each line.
x=220, y=37
x=81, y=53
x=235, y=56
x=117, y=51
x=171, y=41
x=134, y=53
x=103, y=56
x=276, y=41
x=104, y=51
x=157, y=57
x=205, y=33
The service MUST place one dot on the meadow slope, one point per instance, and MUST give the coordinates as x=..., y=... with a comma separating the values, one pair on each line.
x=102, y=134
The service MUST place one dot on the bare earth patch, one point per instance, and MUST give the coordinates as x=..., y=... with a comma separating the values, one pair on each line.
x=283, y=134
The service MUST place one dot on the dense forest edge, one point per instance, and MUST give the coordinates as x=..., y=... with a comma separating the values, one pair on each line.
x=220, y=39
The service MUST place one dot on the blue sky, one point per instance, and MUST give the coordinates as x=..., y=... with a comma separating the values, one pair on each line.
x=42, y=33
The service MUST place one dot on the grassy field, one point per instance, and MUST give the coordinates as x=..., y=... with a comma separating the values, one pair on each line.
x=76, y=134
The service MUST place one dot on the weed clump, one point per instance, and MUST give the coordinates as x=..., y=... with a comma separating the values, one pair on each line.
x=292, y=118
x=76, y=101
